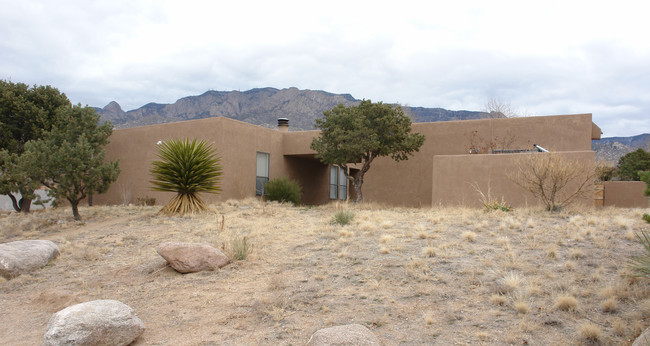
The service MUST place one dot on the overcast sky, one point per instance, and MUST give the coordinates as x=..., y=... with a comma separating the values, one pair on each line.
x=542, y=57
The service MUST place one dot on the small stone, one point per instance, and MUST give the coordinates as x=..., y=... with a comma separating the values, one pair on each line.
x=98, y=322
x=351, y=334
x=191, y=258
x=23, y=256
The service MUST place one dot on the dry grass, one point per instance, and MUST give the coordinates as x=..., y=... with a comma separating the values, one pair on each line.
x=413, y=276
x=566, y=302
x=609, y=305
x=590, y=332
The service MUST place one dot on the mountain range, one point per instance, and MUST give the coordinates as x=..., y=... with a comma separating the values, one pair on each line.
x=610, y=149
x=263, y=106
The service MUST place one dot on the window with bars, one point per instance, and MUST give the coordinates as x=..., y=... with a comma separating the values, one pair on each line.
x=262, y=175
x=338, y=184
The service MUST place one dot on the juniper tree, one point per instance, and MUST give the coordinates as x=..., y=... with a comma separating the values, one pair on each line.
x=69, y=159
x=26, y=113
x=362, y=133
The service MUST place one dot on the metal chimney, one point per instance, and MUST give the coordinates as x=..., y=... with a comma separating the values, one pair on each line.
x=283, y=124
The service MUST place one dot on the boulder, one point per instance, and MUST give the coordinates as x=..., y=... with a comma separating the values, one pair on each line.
x=351, y=334
x=643, y=339
x=98, y=322
x=18, y=257
x=191, y=258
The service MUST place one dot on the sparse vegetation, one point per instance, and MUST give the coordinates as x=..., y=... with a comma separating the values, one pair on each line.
x=283, y=190
x=305, y=272
x=566, y=302
x=590, y=332
x=240, y=247
x=646, y=217
x=490, y=202
x=146, y=201
x=342, y=217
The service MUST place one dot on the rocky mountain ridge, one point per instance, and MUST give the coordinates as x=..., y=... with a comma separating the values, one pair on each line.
x=263, y=106
x=610, y=149
x=260, y=106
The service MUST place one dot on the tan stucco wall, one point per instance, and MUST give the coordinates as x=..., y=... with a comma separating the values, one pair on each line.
x=405, y=183
x=626, y=194
x=409, y=182
x=236, y=142
x=455, y=178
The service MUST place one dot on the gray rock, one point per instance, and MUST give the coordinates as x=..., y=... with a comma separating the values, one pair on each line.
x=191, y=258
x=351, y=334
x=23, y=256
x=98, y=322
x=643, y=339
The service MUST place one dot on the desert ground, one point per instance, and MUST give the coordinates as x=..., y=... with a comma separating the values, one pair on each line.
x=436, y=276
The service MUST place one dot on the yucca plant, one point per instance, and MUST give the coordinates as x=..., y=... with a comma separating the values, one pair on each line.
x=641, y=264
x=186, y=168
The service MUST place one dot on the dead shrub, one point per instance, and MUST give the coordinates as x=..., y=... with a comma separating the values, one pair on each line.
x=552, y=178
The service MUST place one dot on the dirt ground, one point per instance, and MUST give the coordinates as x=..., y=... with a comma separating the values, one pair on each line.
x=413, y=276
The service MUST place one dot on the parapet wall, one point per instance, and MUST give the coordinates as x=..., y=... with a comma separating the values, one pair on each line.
x=456, y=178
x=625, y=194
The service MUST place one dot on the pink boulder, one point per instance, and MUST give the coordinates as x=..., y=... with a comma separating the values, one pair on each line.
x=191, y=258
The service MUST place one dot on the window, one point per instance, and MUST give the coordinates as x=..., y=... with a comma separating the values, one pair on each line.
x=338, y=184
x=262, y=175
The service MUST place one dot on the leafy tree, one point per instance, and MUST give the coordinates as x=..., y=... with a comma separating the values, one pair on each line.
x=359, y=134
x=186, y=168
x=630, y=164
x=645, y=176
x=69, y=159
x=25, y=114
x=14, y=178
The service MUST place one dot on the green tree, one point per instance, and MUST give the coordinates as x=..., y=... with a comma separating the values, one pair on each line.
x=645, y=176
x=69, y=159
x=186, y=168
x=359, y=134
x=25, y=114
x=632, y=163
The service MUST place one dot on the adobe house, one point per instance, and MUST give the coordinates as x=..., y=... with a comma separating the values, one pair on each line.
x=441, y=173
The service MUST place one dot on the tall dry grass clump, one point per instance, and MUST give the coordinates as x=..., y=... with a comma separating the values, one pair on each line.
x=342, y=217
x=240, y=247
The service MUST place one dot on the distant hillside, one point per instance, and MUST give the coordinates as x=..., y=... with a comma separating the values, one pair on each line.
x=264, y=106
x=612, y=148
x=258, y=106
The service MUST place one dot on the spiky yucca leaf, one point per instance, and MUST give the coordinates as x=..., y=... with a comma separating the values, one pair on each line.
x=186, y=168
x=641, y=264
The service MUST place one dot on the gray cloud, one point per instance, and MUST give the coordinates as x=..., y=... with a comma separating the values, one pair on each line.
x=137, y=52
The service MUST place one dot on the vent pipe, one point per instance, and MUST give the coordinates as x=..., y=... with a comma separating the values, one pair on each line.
x=283, y=124
x=540, y=149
